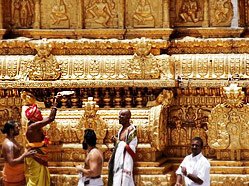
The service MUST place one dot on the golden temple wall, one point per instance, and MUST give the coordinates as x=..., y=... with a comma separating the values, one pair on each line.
x=167, y=61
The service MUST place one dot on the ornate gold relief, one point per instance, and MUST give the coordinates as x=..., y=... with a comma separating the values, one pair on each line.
x=221, y=12
x=144, y=14
x=60, y=14
x=189, y=12
x=157, y=116
x=22, y=13
x=228, y=123
x=143, y=65
x=211, y=66
x=92, y=120
x=101, y=14
x=44, y=66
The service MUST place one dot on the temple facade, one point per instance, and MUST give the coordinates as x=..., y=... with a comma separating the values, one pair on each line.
x=180, y=66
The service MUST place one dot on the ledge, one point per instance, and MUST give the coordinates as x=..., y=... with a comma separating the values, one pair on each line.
x=87, y=84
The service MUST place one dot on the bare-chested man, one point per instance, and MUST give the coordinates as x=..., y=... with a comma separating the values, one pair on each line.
x=13, y=171
x=90, y=174
x=37, y=172
x=122, y=160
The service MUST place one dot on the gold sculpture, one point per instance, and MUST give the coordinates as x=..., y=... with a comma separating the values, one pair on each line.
x=228, y=122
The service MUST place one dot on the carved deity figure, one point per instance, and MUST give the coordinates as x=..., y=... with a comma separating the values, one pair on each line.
x=22, y=13
x=92, y=120
x=100, y=12
x=179, y=134
x=38, y=70
x=189, y=11
x=59, y=12
x=190, y=115
x=54, y=134
x=198, y=131
x=221, y=10
x=227, y=125
x=143, y=15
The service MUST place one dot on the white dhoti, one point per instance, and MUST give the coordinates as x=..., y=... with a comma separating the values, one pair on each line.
x=123, y=162
x=85, y=181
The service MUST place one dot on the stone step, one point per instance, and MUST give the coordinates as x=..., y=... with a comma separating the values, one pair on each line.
x=146, y=168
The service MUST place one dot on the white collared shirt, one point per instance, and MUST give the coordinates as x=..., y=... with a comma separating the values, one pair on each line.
x=197, y=165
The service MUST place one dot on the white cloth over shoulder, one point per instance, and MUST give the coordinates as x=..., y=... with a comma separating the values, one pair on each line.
x=197, y=165
x=123, y=162
x=90, y=182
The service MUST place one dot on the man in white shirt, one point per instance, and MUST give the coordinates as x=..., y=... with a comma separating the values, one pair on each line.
x=195, y=168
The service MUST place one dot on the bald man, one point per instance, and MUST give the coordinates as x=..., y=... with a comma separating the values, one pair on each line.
x=122, y=160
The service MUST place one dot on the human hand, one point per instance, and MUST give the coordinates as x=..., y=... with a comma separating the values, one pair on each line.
x=184, y=171
x=29, y=153
x=79, y=168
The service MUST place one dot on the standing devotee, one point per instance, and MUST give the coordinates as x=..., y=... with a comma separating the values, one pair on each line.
x=13, y=170
x=195, y=168
x=90, y=174
x=122, y=160
x=37, y=173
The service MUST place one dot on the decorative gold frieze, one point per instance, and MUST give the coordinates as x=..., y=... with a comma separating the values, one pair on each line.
x=211, y=66
x=44, y=66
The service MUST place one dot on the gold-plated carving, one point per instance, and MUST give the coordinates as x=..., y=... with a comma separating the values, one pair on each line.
x=190, y=11
x=92, y=120
x=59, y=15
x=158, y=128
x=227, y=125
x=143, y=65
x=143, y=16
x=22, y=13
x=221, y=12
x=101, y=14
x=38, y=69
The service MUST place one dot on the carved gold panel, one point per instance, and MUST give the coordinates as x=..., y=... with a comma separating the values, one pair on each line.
x=187, y=12
x=144, y=14
x=221, y=12
x=211, y=66
x=103, y=14
x=60, y=14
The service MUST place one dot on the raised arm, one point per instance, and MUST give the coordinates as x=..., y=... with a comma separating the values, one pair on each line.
x=49, y=119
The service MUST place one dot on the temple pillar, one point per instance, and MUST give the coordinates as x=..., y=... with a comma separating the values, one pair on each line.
x=80, y=11
x=37, y=23
x=1, y=15
x=206, y=14
x=166, y=22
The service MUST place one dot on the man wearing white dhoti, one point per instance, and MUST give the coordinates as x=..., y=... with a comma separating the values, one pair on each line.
x=122, y=160
x=90, y=174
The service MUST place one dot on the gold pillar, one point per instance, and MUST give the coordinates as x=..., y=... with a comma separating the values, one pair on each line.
x=1, y=15
x=80, y=12
x=166, y=23
x=206, y=14
x=37, y=23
